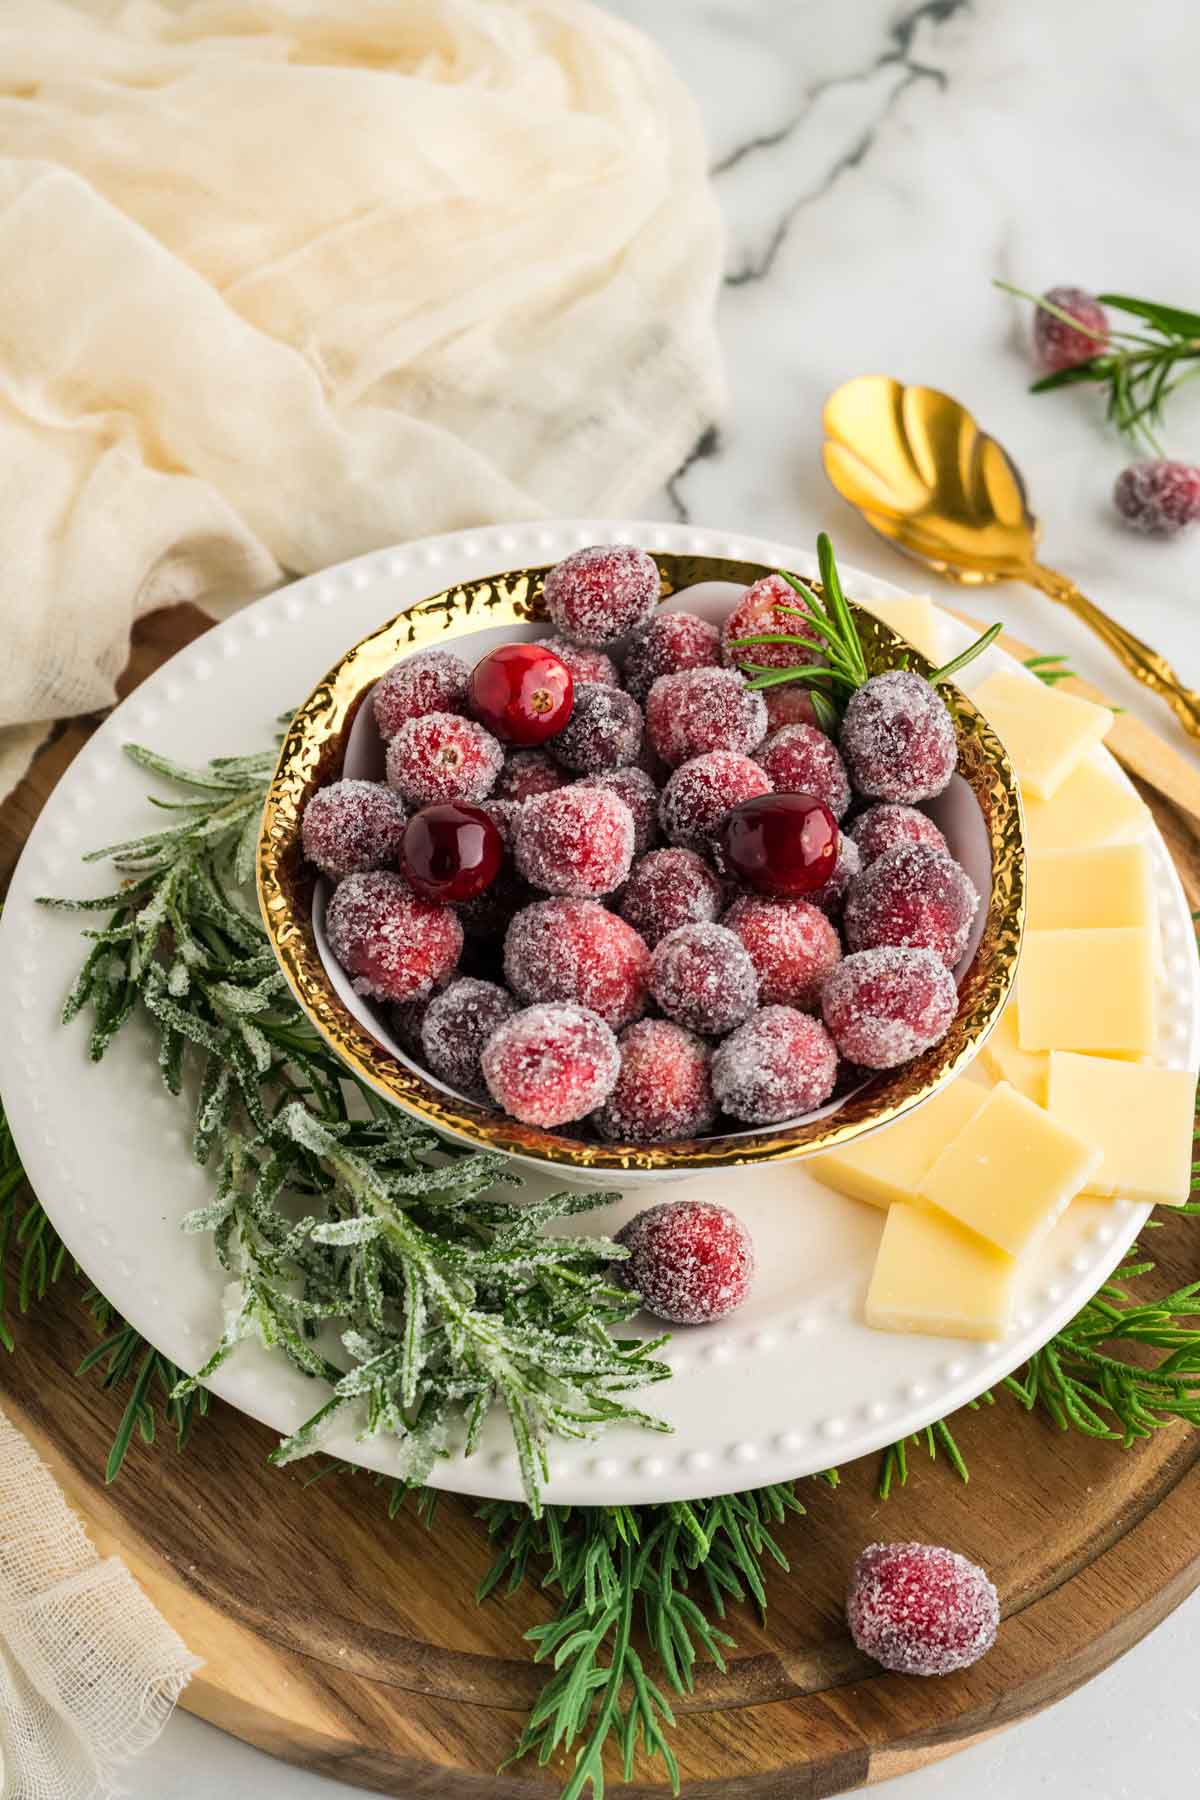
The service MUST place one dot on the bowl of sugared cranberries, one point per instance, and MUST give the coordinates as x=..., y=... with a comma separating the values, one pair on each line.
x=562, y=863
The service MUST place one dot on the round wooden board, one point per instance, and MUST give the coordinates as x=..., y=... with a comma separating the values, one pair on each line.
x=341, y=1641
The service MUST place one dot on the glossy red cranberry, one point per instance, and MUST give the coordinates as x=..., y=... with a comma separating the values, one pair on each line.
x=781, y=843
x=451, y=852
x=523, y=693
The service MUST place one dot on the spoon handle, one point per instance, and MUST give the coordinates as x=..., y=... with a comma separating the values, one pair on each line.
x=1143, y=663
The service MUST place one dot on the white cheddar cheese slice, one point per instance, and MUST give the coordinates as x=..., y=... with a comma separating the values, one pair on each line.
x=1047, y=733
x=1087, y=990
x=1010, y=1172
x=1142, y=1119
x=1102, y=886
x=932, y=1276
x=888, y=1164
x=1093, y=806
x=1004, y=1059
x=916, y=618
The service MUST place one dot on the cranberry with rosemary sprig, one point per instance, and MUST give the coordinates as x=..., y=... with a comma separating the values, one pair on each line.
x=523, y=693
x=784, y=844
x=451, y=852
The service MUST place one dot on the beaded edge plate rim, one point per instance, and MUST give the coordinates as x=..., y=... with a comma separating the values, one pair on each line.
x=931, y=1377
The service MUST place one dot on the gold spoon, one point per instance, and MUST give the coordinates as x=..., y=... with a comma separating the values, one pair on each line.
x=919, y=469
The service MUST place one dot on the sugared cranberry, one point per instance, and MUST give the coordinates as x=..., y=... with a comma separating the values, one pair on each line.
x=640, y=795
x=441, y=756
x=528, y=772
x=585, y=665
x=601, y=593
x=504, y=815
x=702, y=977
x=352, y=826
x=1158, y=498
x=916, y=896
x=548, y=1065
x=451, y=852
x=784, y=844
x=758, y=614
x=1058, y=345
x=801, y=760
x=697, y=798
x=701, y=710
x=575, y=841
x=689, y=1260
x=670, y=643
x=846, y=871
x=792, y=945
x=605, y=731
x=432, y=681
x=393, y=944
x=898, y=739
x=779, y=1065
x=921, y=1610
x=663, y=1090
x=887, y=826
x=523, y=693
x=457, y=1024
x=788, y=704
x=574, y=950
x=667, y=889
x=884, y=1006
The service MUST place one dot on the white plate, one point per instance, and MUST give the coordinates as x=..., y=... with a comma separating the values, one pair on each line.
x=789, y=1385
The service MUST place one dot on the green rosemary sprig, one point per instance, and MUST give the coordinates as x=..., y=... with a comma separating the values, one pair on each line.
x=1050, y=669
x=1140, y=369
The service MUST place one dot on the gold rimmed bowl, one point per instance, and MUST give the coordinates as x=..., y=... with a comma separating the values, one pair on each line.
x=334, y=734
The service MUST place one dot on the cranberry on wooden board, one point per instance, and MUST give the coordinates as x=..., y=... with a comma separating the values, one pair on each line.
x=523, y=693
x=451, y=852
x=781, y=843
x=921, y=1610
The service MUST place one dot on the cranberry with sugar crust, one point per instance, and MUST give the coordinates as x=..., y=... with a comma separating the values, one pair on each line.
x=457, y=1024
x=637, y=790
x=549, y=1065
x=585, y=665
x=915, y=896
x=393, y=944
x=575, y=950
x=528, y=772
x=702, y=977
x=575, y=841
x=921, y=1610
x=898, y=739
x=432, y=681
x=663, y=1091
x=701, y=710
x=441, y=756
x=887, y=825
x=670, y=643
x=758, y=614
x=788, y=704
x=352, y=826
x=690, y=1260
x=667, y=889
x=799, y=759
x=601, y=593
x=522, y=693
x=779, y=1065
x=792, y=945
x=883, y=1007
x=1158, y=498
x=1058, y=345
x=604, y=732
x=699, y=796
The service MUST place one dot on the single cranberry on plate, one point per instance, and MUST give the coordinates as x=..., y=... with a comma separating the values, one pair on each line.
x=663, y=1090
x=550, y=1065
x=785, y=844
x=897, y=738
x=690, y=1261
x=451, y=852
x=884, y=1006
x=599, y=594
x=393, y=944
x=779, y=1065
x=921, y=1610
x=523, y=693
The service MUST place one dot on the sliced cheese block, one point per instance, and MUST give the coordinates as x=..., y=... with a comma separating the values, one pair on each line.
x=916, y=618
x=1004, y=1059
x=888, y=1164
x=1010, y=1172
x=1105, y=886
x=1093, y=806
x=932, y=1276
x=1047, y=733
x=1087, y=990
x=1142, y=1119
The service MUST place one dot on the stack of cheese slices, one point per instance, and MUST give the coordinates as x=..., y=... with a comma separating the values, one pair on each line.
x=1078, y=1107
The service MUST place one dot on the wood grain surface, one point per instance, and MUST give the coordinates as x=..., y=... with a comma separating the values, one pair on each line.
x=351, y=1644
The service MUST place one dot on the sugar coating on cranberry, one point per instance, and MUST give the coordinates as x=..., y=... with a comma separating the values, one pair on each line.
x=702, y=977
x=575, y=950
x=921, y=1610
x=457, y=1024
x=351, y=826
x=667, y=889
x=694, y=802
x=788, y=704
x=550, y=1064
x=898, y=738
x=432, y=681
x=442, y=756
x=528, y=772
x=701, y=710
x=690, y=1260
x=663, y=1091
x=599, y=594
x=637, y=790
x=916, y=896
x=1158, y=498
x=391, y=943
x=792, y=945
x=779, y=1065
x=888, y=825
x=670, y=643
x=884, y=1006
x=585, y=665
x=758, y=614
x=603, y=732
x=799, y=759
x=846, y=871
x=1058, y=345
x=577, y=840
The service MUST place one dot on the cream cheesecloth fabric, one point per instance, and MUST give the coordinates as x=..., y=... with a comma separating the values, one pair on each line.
x=286, y=280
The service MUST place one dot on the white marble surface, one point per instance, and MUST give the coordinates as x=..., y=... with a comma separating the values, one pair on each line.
x=878, y=164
